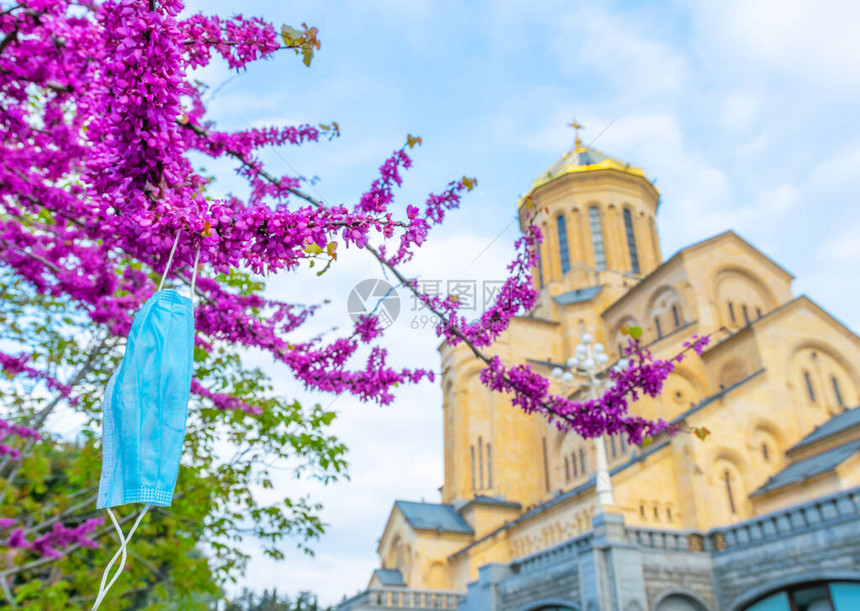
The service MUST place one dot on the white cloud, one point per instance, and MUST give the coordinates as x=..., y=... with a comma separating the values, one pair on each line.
x=619, y=44
x=816, y=41
x=843, y=249
x=839, y=171
x=741, y=109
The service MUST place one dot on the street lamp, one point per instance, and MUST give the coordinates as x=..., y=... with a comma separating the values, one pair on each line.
x=589, y=361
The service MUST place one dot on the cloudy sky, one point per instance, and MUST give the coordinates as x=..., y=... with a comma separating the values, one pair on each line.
x=740, y=110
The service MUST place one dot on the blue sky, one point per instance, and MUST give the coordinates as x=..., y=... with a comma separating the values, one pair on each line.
x=740, y=110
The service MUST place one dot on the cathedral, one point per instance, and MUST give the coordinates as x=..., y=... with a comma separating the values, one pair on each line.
x=762, y=515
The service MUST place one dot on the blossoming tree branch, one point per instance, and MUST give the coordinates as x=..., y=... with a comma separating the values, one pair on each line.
x=99, y=118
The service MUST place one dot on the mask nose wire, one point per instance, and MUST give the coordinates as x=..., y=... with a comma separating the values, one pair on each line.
x=169, y=261
x=121, y=552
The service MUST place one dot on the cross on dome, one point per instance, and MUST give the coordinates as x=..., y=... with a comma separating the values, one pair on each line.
x=577, y=126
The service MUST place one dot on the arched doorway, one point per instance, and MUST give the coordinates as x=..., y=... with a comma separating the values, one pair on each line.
x=680, y=602
x=551, y=605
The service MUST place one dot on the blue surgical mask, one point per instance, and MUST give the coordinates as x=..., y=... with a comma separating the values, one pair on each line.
x=145, y=410
x=146, y=405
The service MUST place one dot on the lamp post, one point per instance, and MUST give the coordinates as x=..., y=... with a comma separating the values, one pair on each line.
x=589, y=361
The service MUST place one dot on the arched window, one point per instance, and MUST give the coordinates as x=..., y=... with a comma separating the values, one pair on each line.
x=765, y=452
x=727, y=478
x=810, y=389
x=731, y=310
x=631, y=241
x=597, y=238
x=489, y=467
x=563, y=252
x=676, y=315
x=545, y=465
x=582, y=465
x=654, y=244
x=540, y=264
x=480, y=462
x=566, y=469
x=746, y=313
x=837, y=392
x=659, y=327
x=472, y=451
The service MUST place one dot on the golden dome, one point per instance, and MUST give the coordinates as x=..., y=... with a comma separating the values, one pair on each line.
x=583, y=159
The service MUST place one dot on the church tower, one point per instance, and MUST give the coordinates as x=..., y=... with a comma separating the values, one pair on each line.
x=596, y=214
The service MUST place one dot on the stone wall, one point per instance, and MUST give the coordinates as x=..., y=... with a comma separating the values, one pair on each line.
x=619, y=567
x=559, y=583
x=678, y=572
x=817, y=540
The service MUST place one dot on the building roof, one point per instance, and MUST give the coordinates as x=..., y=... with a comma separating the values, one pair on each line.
x=844, y=421
x=489, y=500
x=433, y=516
x=584, y=159
x=389, y=577
x=810, y=467
x=579, y=295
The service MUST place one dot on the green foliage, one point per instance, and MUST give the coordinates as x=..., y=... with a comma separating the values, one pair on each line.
x=303, y=41
x=631, y=330
x=247, y=601
x=702, y=432
x=226, y=454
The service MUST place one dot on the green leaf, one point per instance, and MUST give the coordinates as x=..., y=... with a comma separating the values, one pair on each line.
x=635, y=332
x=303, y=42
x=313, y=249
x=702, y=432
x=292, y=37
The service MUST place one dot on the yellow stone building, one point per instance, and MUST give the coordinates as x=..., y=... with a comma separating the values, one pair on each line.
x=515, y=486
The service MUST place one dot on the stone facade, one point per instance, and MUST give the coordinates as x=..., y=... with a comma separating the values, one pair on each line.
x=622, y=567
x=686, y=530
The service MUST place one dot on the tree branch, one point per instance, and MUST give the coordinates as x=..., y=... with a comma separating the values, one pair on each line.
x=7, y=40
x=547, y=409
x=40, y=418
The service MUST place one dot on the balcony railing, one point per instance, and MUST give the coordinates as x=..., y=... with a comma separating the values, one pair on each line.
x=556, y=554
x=840, y=507
x=670, y=540
x=402, y=598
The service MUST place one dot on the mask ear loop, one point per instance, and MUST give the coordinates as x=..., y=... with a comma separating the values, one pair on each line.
x=194, y=276
x=169, y=261
x=121, y=552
